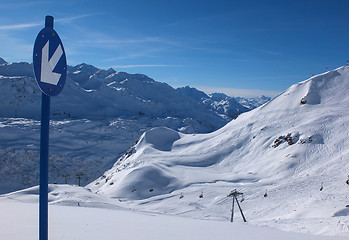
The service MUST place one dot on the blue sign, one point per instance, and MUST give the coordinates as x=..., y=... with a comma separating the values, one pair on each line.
x=49, y=60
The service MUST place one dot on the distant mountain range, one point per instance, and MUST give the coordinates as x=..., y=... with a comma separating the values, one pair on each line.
x=95, y=119
x=96, y=93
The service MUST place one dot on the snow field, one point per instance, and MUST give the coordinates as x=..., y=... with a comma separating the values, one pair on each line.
x=96, y=221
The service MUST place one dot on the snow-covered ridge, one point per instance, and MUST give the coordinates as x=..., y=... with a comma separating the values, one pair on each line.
x=223, y=104
x=252, y=103
x=289, y=157
x=97, y=117
x=96, y=93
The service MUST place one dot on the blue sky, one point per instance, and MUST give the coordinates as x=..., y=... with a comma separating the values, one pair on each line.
x=243, y=48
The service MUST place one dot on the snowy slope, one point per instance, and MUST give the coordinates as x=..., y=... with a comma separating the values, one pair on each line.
x=75, y=213
x=289, y=147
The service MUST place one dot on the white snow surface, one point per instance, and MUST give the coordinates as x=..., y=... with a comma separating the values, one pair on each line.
x=289, y=148
x=76, y=213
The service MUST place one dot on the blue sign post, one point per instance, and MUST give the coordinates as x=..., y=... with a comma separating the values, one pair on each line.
x=50, y=69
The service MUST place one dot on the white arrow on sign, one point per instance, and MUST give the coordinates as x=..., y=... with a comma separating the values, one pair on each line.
x=47, y=65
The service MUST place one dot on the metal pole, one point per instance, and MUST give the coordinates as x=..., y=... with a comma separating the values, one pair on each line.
x=240, y=209
x=232, y=212
x=44, y=153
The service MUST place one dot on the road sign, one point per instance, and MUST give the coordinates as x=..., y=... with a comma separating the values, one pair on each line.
x=49, y=60
x=50, y=69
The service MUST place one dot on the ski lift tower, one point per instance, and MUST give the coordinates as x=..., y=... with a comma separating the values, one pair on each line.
x=234, y=195
x=79, y=177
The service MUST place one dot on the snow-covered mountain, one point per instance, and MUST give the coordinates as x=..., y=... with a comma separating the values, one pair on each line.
x=193, y=93
x=254, y=102
x=97, y=117
x=103, y=94
x=225, y=105
x=289, y=157
x=2, y=61
x=217, y=102
x=95, y=93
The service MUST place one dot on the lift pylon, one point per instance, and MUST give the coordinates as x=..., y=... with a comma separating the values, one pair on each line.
x=234, y=193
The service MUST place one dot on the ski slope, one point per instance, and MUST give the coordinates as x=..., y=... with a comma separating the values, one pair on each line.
x=288, y=148
x=103, y=218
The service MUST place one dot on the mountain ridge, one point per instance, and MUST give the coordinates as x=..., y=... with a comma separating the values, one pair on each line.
x=85, y=81
x=289, y=157
x=97, y=117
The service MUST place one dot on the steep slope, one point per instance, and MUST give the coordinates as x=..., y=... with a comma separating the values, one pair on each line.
x=295, y=147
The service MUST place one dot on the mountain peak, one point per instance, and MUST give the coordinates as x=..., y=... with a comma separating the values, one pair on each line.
x=2, y=61
x=85, y=67
x=219, y=96
x=16, y=69
x=193, y=93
